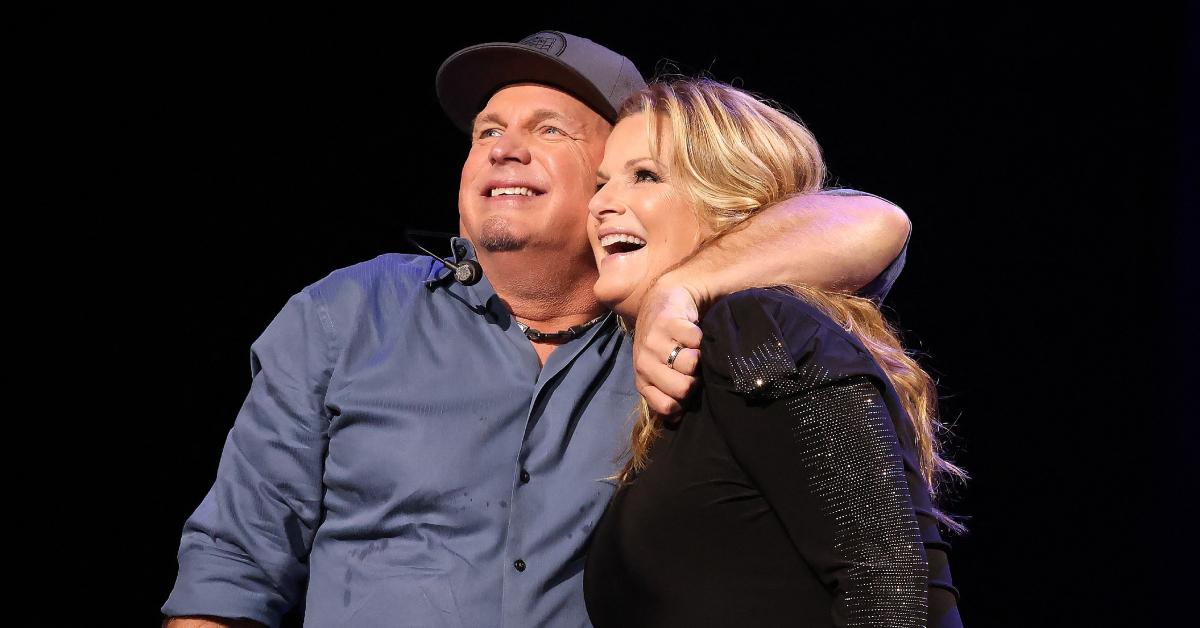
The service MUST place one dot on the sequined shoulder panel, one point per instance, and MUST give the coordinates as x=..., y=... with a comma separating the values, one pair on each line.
x=767, y=372
x=843, y=436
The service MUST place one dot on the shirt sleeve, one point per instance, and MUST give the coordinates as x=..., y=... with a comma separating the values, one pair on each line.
x=878, y=288
x=244, y=551
x=806, y=414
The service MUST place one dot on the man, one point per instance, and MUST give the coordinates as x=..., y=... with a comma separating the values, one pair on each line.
x=429, y=453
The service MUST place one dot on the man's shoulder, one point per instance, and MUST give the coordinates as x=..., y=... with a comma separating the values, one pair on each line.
x=392, y=274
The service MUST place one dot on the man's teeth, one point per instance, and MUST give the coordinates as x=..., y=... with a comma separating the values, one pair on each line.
x=513, y=191
x=614, y=238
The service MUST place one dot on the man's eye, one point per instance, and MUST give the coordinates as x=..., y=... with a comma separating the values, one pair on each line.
x=600, y=186
x=489, y=133
x=645, y=175
x=553, y=129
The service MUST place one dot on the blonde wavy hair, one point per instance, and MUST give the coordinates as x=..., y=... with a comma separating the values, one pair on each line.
x=734, y=155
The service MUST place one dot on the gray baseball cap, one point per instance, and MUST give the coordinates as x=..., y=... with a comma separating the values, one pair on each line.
x=597, y=76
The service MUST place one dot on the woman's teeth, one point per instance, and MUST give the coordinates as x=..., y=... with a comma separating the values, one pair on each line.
x=614, y=238
x=614, y=243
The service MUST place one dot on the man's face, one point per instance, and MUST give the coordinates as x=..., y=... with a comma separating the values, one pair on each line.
x=531, y=171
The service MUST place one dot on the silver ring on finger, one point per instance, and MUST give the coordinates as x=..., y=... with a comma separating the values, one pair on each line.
x=674, y=354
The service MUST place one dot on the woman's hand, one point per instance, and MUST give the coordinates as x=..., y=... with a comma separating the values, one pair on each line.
x=668, y=317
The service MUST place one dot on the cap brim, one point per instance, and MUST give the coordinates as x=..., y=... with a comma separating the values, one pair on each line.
x=470, y=76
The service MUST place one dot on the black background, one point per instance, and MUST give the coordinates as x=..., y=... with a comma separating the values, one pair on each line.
x=1048, y=163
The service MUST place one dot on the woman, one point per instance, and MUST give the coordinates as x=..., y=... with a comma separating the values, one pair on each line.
x=798, y=488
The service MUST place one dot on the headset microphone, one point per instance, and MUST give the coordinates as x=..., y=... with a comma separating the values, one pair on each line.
x=468, y=272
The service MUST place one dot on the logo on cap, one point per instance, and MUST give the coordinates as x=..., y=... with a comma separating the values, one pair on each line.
x=549, y=42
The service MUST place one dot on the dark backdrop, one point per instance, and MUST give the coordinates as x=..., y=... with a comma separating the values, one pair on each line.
x=1047, y=161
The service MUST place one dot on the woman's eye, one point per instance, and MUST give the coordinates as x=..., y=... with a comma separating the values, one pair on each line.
x=645, y=175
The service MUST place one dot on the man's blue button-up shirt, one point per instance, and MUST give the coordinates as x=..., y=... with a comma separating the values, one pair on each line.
x=402, y=447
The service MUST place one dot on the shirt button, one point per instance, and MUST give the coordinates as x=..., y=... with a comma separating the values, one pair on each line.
x=524, y=476
x=519, y=565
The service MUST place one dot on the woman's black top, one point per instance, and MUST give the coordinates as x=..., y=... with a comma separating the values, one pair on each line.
x=787, y=495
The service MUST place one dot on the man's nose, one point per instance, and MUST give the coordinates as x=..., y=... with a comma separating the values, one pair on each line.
x=510, y=147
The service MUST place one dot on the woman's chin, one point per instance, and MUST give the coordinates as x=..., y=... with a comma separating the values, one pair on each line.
x=616, y=296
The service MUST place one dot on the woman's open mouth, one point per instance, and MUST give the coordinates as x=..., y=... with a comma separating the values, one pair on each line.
x=618, y=243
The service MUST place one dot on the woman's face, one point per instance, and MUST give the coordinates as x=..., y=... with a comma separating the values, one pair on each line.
x=641, y=223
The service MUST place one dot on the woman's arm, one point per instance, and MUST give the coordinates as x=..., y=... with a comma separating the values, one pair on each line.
x=803, y=411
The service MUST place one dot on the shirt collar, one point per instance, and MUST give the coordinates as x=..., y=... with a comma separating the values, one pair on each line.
x=438, y=272
x=481, y=297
